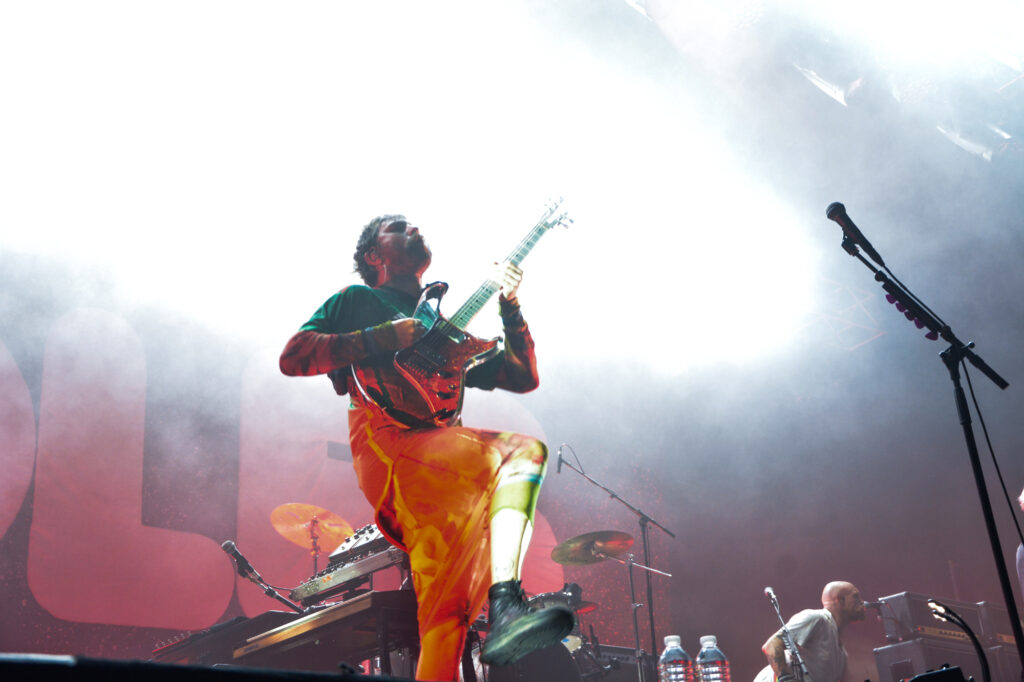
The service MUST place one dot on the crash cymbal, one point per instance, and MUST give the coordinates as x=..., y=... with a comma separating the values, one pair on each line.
x=591, y=548
x=586, y=607
x=310, y=527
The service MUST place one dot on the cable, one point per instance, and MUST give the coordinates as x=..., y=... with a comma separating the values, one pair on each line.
x=991, y=451
x=574, y=456
x=943, y=612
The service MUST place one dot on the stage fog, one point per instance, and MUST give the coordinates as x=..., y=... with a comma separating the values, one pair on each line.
x=184, y=183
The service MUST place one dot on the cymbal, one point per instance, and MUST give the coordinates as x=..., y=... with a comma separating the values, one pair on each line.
x=591, y=548
x=310, y=527
x=586, y=607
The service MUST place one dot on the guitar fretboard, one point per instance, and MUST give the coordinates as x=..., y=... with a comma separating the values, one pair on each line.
x=464, y=315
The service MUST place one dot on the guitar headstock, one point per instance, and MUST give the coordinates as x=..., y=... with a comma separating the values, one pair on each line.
x=554, y=216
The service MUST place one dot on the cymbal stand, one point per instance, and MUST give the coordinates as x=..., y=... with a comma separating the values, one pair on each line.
x=634, y=605
x=645, y=521
x=314, y=539
x=592, y=651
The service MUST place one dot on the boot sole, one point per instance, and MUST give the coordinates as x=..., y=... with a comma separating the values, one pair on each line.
x=532, y=631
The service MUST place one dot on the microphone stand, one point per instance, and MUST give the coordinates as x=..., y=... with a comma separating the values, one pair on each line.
x=250, y=574
x=787, y=639
x=953, y=357
x=271, y=592
x=645, y=521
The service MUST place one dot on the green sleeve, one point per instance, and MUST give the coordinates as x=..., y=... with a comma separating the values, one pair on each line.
x=351, y=309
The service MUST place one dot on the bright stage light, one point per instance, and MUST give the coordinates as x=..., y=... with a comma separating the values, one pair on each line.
x=222, y=167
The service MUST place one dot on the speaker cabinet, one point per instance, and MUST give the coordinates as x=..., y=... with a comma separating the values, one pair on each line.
x=906, y=660
x=907, y=616
x=1004, y=663
x=995, y=624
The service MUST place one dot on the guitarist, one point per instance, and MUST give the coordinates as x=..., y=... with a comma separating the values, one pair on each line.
x=817, y=634
x=460, y=501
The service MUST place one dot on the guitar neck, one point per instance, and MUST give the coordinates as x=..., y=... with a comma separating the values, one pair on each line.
x=464, y=315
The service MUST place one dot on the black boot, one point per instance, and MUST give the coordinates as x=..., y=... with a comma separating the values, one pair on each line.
x=516, y=630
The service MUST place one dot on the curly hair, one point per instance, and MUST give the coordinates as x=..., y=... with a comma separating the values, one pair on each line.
x=368, y=240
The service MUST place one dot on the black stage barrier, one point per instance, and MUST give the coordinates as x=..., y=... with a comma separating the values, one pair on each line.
x=40, y=668
x=376, y=629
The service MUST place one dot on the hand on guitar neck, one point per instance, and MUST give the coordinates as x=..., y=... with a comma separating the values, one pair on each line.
x=508, y=275
x=408, y=330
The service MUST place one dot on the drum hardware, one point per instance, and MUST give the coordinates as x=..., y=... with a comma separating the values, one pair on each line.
x=552, y=664
x=310, y=527
x=568, y=597
x=591, y=548
x=589, y=661
x=589, y=656
x=609, y=663
x=645, y=522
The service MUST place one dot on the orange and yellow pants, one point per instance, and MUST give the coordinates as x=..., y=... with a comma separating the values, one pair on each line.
x=432, y=491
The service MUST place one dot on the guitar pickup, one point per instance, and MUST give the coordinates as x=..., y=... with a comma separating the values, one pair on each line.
x=430, y=357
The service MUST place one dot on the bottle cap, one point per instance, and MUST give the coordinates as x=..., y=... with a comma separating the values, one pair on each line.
x=709, y=641
x=673, y=641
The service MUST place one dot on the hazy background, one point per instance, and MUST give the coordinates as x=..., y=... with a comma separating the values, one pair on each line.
x=706, y=348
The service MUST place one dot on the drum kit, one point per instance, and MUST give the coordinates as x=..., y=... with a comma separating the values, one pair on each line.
x=579, y=657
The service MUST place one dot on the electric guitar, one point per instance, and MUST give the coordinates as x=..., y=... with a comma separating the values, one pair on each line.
x=424, y=384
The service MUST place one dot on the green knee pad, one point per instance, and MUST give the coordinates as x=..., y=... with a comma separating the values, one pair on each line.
x=520, y=494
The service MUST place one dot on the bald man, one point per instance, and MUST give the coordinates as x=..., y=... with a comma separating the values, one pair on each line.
x=816, y=633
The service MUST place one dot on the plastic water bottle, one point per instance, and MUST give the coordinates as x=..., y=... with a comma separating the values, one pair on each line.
x=674, y=665
x=712, y=665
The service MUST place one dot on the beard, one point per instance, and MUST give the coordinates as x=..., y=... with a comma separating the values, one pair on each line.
x=418, y=251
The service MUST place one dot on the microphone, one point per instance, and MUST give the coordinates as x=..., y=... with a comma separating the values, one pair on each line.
x=874, y=604
x=770, y=593
x=837, y=212
x=559, y=469
x=245, y=569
